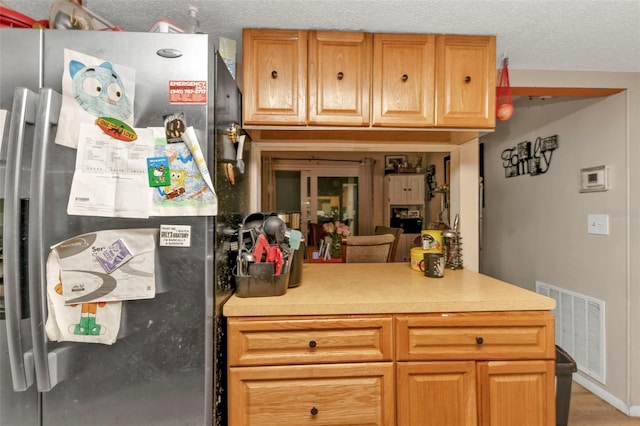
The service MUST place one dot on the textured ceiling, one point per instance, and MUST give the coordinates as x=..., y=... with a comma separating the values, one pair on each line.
x=584, y=35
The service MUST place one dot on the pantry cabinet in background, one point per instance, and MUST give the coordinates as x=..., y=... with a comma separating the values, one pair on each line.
x=357, y=79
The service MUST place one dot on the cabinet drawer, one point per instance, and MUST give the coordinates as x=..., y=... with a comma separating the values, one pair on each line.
x=312, y=395
x=476, y=336
x=281, y=340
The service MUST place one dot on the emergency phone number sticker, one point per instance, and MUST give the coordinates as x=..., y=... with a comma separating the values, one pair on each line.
x=187, y=92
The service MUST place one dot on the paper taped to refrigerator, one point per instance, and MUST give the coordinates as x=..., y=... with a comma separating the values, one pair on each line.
x=129, y=272
x=110, y=178
x=88, y=322
x=191, y=192
x=93, y=88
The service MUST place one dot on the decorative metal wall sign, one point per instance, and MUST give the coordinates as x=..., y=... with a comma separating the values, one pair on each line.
x=529, y=158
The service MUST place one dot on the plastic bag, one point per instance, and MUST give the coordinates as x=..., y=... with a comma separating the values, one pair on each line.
x=504, y=100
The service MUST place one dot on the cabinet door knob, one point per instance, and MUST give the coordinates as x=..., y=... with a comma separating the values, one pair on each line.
x=314, y=411
x=405, y=77
x=340, y=75
x=274, y=74
x=312, y=344
x=467, y=79
x=479, y=340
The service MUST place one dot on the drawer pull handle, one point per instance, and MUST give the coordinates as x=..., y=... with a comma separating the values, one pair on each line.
x=312, y=344
x=405, y=77
x=274, y=74
x=467, y=79
x=314, y=411
x=479, y=340
x=340, y=75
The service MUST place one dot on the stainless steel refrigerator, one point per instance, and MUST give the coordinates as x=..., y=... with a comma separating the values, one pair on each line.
x=166, y=366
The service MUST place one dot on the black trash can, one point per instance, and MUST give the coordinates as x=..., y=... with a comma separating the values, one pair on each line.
x=565, y=367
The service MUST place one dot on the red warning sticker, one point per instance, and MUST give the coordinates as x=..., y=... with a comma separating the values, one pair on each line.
x=187, y=92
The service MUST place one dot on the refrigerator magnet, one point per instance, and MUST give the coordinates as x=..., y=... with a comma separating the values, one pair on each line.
x=174, y=126
x=158, y=171
x=175, y=236
x=116, y=129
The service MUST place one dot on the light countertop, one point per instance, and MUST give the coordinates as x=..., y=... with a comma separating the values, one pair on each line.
x=388, y=288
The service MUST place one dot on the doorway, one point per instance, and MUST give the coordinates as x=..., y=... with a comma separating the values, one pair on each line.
x=321, y=194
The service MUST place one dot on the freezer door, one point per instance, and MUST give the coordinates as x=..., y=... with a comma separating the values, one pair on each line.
x=159, y=371
x=20, y=67
x=18, y=397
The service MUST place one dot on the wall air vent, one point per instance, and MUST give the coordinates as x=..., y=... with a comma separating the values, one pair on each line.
x=579, y=328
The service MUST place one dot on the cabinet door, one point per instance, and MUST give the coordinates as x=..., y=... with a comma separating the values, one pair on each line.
x=332, y=394
x=516, y=393
x=437, y=394
x=275, y=76
x=405, y=189
x=415, y=189
x=339, y=78
x=396, y=189
x=466, y=81
x=403, y=80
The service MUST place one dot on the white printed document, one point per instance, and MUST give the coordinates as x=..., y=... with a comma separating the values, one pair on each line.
x=110, y=178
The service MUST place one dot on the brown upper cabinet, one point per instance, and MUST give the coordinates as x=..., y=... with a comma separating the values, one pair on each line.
x=465, y=81
x=339, y=70
x=404, y=80
x=274, y=71
x=357, y=79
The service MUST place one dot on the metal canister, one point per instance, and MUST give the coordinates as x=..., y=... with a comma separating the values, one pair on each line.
x=294, y=220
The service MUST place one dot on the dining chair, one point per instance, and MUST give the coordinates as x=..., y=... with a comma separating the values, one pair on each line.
x=368, y=248
x=381, y=230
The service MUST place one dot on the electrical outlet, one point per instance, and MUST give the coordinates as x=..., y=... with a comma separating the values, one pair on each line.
x=598, y=224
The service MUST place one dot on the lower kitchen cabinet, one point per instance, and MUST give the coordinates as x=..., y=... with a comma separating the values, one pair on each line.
x=516, y=393
x=466, y=393
x=422, y=369
x=437, y=393
x=322, y=394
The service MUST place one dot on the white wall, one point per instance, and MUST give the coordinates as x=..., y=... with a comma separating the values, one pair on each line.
x=535, y=227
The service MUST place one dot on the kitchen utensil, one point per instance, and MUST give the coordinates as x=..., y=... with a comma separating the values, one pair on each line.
x=275, y=228
x=261, y=248
x=294, y=237
x=274, y=254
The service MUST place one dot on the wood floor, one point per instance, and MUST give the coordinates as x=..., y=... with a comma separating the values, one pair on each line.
x=586, y=409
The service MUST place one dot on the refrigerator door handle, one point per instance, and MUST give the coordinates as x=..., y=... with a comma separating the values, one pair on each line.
x=50, y=367
x=23, y=113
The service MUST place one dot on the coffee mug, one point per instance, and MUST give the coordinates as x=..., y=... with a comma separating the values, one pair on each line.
x=432, y=265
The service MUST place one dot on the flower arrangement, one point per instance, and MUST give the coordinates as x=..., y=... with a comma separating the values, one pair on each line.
x=336, y=231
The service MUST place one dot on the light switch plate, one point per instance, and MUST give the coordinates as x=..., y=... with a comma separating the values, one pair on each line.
x=598, y=224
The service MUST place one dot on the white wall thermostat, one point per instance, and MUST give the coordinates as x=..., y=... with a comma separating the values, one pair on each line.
x=594, y=179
